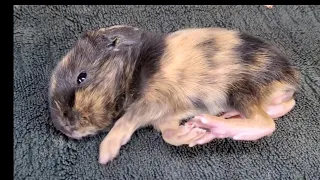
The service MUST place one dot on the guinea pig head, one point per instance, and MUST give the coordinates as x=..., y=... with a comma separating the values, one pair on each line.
x=87, y=86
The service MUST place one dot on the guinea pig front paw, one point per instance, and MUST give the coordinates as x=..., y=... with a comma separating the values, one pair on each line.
x=109, y=149
x=185, y=134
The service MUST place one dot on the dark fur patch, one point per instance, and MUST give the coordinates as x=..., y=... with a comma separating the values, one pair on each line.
x=242, y=95
x=65, y=98
x=151, y=51
x=65, y=95
x=208, y=49
x=248, y=91
x=249, y=47
x=147, y=60
x=60, y=127
x=71, y=99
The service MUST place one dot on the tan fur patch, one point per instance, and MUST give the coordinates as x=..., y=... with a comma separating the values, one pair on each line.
x=183, y=67
x=115, y=27
x=90, y=102
x=261, y=61
x=53, y=83
x=65, y=60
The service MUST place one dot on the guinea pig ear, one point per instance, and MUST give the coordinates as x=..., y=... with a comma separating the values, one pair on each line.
x=113, y=41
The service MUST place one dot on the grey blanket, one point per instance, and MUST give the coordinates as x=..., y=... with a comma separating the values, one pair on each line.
x=43, y=34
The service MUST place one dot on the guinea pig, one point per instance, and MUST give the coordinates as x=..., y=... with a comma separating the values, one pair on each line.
x=129, y=78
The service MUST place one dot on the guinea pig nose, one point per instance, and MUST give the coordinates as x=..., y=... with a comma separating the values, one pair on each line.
x=60, y=127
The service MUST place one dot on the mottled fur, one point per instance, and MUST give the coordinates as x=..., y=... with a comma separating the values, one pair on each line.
x=116, y=77
x=160, y=79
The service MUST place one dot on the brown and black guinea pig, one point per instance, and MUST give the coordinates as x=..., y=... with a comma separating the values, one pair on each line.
x=127, y=78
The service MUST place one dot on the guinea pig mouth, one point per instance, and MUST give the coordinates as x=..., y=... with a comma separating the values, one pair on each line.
x=78, y=136
x=73, y=136
x=66, y=130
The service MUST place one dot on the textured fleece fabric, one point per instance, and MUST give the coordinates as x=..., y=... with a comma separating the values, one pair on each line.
x=43, y=34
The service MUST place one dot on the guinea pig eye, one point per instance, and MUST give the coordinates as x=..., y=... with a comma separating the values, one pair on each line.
x=82, y=76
